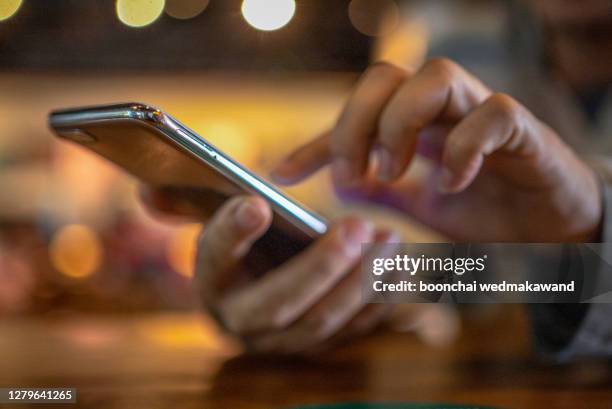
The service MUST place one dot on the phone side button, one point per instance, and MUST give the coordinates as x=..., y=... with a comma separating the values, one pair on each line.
x=78, y=136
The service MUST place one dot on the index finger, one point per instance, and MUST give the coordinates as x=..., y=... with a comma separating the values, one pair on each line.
x=349, y=143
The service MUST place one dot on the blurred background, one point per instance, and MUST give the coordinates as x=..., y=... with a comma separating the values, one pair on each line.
x=255, y=77
x=95, y=292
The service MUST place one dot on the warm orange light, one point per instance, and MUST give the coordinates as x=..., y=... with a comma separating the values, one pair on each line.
x=187, y=332
x=374, y=18
x=76, y=251
x=182, y=248
x=8, y=8
x=232, y=139
x=185, y=9
x=139, y=13
x=406, y=46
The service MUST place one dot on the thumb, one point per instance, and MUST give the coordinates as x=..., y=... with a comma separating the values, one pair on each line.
x=226, y=240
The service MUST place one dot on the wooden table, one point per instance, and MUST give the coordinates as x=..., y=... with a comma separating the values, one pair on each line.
x=177, y=361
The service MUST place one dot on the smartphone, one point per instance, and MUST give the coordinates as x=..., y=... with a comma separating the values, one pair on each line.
x=160, y=151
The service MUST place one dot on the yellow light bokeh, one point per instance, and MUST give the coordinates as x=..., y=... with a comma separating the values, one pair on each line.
x=406, y=47
x=180, y=336
x=188, y=332
x=268, y=15
x=8, y=8
x=185, y=9
x=76, y=251
x=182, y=249
x=139, y=13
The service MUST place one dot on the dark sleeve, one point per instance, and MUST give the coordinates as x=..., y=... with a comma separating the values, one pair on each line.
x=566, y=331
x=554, y=326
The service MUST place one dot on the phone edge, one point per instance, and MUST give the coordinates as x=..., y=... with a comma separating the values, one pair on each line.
x=309, y=222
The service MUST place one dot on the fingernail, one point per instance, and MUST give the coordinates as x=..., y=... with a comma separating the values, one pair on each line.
x=343, y=171
x=353, y=236
x=248, y=215
x=385, y=166
x=445, y=182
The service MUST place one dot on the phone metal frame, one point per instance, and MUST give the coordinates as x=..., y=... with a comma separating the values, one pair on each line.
x=70, y=120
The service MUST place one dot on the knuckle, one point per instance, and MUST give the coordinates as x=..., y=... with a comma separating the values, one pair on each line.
x=385, y=69
x=505, y=106
x=443, y=68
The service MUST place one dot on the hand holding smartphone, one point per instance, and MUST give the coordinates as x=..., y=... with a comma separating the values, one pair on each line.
x=268, y=281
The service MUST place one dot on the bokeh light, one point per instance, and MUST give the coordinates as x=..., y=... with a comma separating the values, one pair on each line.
x=182, y=248
x=374, y=18
x=406, y=46
x=268, y=15
x=139, y=13
x=8, y=8
x=185, y=9
x=76, y=251
x=189, y=332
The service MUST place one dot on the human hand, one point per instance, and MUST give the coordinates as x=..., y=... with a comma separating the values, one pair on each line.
x=498, y=174
x=311, y=301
